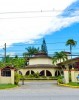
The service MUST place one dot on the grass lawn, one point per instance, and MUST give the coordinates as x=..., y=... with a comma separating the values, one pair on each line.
x=6, y=86
x=73, y=84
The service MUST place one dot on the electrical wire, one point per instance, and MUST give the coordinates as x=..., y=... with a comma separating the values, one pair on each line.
x=40, y=11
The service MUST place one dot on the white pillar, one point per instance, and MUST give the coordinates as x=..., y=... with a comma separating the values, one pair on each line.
x=73, y=75
x=12, y=76
x=29, y=71
x=66, y=76
x=53, y=72
x=45, y=72
x=67, y=67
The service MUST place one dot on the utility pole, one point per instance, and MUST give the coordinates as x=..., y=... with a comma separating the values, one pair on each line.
x=5, y=52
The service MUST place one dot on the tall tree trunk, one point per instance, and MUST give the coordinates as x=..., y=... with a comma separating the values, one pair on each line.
x=71, y=50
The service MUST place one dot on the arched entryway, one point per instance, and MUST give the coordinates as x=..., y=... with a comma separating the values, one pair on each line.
x=48, y=73
x=27, y=73
x=57, y=73
x=20, y=72
x=42, y=73
x=32, y=72
x=62, y=73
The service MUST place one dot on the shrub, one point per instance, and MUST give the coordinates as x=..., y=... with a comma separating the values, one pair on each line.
x=22, y=77
x=43, y=76
x=53, y=77
x=36, y=75
x=60, y=77
x=17, y=78
x=60, y=81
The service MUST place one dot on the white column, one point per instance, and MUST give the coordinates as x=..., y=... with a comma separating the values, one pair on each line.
x=73, y=75
x=45, y=72
x=12, y=76
x=67, y=67
x=66, y=76
x=29, y=71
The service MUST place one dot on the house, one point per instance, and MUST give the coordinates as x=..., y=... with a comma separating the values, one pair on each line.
x=70, y=63
x=42, y=64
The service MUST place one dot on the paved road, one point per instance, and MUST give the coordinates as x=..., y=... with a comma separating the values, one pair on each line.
x=40, y=90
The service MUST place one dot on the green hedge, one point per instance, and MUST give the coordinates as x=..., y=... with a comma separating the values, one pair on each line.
x=60, y=79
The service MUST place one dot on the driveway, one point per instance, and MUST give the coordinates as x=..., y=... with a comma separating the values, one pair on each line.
x=40, y=90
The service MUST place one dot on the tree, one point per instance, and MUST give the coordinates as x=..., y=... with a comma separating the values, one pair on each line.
x=8, y=61
x=59, y=56
x=71, y=43
x=30, y=51
x=44, y=47
x=17, y=62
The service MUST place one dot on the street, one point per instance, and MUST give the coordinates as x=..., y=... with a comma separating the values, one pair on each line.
x=40, y=90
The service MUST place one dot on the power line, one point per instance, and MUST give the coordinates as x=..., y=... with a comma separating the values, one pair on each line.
x=40, y=11
x=37, y=43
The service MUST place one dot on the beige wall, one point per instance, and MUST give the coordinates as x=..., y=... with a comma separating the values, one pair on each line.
x=34, y=61
x=7, y=80
x=74, y=75
x=12, y=76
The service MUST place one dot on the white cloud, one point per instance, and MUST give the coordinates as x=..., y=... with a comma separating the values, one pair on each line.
x=15, y=27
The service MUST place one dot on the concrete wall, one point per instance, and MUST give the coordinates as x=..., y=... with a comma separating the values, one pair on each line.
x=74, y=75
x=34, y=61
x=5, y=80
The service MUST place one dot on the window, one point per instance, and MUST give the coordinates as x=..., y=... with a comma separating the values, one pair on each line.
x=6, y=72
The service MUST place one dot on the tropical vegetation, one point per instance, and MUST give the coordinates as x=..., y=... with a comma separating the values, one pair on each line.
x=16, y=62
x=59, y=56
x=71, y=43
x=30, y=51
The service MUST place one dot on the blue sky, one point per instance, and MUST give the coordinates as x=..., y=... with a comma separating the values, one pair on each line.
x=27, y=23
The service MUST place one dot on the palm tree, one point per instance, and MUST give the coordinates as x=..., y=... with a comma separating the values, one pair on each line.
x=59, y=56
x=31, y=51
x=71, y=43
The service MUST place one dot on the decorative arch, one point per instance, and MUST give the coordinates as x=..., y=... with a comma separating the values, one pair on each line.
x=42, y=73
x=20, y=72
x=62, y=73
x=70, y=66
x=32, y=72
x=57, y=73
x=27, y=73
x=48, y=73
